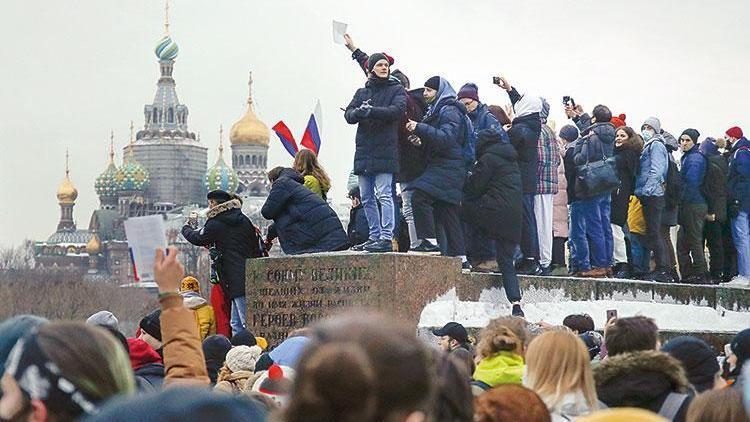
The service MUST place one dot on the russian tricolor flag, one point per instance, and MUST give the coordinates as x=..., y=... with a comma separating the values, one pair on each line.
x=310, y=139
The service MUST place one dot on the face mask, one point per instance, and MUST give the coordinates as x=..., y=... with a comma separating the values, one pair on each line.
x=647, y=134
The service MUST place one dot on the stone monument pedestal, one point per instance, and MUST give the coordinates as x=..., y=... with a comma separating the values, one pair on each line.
x=291, y=292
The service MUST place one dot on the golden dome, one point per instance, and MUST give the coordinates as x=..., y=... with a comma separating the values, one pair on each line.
x=67, y=193
x=93, y=246
x=249, y=130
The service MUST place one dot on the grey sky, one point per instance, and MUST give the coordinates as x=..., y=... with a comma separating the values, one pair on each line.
x=71, y=71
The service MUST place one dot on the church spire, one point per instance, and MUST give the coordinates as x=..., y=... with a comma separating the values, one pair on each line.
x=166, y=17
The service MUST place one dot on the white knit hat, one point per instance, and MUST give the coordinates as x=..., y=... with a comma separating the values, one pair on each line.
x=243, y=358
x=104, y=319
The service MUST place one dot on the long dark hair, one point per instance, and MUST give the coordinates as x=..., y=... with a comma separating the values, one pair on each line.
x=634, y=141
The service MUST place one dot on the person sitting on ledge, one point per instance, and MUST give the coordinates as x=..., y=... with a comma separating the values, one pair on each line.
x=302, y=220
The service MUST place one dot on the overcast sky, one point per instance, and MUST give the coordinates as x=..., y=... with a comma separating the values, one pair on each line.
x=72, y=71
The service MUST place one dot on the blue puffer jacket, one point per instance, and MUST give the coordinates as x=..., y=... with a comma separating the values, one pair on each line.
x=442, y=134
x=378, y=130
x=304, y=222
x=482, y=119
x=653, y=169
x=739, y=174
x=692, y=172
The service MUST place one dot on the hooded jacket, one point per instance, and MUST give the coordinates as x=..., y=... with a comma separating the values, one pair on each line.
x=493, y=196
x=524, y=136
x=378, y=127
x=442, y=133
x=692, y=172
x=147, y=365
x=204, y=313
x=234, y=236
x=739, y=174
x=653, y=166
x=716, y=188
x=641, y=379
x=502, y=368
x=303, y=221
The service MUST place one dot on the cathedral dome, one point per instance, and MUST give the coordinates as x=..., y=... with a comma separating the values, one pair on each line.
x=132, y=175
x=221, y=176
x=166, y=48
x=93, y=246
x=106, y=185
x=67, y=193
x=249, y=130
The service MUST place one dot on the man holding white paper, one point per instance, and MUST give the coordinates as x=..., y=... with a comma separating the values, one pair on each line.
x=234, y=237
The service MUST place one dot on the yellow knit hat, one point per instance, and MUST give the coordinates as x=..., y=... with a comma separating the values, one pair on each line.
x=190, y=284
x=261, y=342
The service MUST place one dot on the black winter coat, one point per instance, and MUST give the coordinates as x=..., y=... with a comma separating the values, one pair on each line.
x=570, y=171
x=627, y=161
x=411, y=160
x=234, y=236
x=597, y=143
x=442, y=134
x=717, y=189
x=493, y=197
x=304, y=222
x=149, y=377
x=524, y=135
x=378, y=130
x=641, y=379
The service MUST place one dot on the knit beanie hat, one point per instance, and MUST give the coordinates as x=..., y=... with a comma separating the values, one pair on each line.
x=741, y=345
x=698, y=359
x=373, y=59
x=141, y=353
x=618, y=121
x=433, y=82
x=151, y=324
x=654, y=123
x=734, y=132
x=244, y=338
x=12, y=330
x=242, y=358
x=569, y=133
x=261, y=342
x=275, y=383
x=190, y=284
x=469, y=90
x=103, y=319
x=692, y=134
x=216, y=347
x=219, y=196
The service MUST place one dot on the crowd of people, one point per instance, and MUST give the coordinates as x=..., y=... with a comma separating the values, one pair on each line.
x=360, y=366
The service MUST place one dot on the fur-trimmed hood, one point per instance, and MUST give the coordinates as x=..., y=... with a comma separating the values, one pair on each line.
x=639, y=379
x=193, y=300
x=224, y=206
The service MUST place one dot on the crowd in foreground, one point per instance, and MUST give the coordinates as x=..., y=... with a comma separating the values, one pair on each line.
x=360, y=367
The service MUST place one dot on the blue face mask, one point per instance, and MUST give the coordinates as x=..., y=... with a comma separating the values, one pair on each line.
x=647, y=134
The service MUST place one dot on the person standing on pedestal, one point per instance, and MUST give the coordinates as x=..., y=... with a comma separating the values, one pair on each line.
x=235, y=239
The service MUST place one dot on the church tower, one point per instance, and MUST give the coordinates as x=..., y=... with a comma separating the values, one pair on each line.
x=174, y=158
x=66, y=197
x=249, y=138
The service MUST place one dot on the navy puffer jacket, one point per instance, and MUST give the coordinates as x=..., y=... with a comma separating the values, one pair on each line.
x=692, y=172
x=597, y=143
x=303, y=221
x=442, y=134
x=378, y=130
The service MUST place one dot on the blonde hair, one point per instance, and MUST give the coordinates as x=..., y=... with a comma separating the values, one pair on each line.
x=306, y=163
x=557, y=363
x=504, y=334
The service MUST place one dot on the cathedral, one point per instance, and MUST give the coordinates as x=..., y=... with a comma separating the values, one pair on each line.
x=164, y=171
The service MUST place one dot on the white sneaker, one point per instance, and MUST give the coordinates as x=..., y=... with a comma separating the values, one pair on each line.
x=739, y=281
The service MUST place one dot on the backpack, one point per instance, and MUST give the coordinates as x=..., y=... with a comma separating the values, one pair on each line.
x=673, y=188
x=713, y=182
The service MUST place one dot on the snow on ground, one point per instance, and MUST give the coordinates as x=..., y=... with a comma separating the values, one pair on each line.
x=668, y=316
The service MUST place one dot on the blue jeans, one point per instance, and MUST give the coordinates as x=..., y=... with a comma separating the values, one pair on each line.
x=579, y=244
x=598, y=230
x=374, y=189
x=640, y=256
x=237, y=319
x=741, y=236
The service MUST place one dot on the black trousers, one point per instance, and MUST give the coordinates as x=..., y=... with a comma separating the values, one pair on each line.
x=558, y=251
x=690, y=253
x=445, y=214
x=653, y=212
x=712, y=236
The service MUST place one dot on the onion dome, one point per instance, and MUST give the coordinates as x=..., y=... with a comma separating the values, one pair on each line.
x=166, y=48
x=106, y=185
x=94, y=245
x=221, y=176
x=132, y=176
x=67, y=193
x=249, y=130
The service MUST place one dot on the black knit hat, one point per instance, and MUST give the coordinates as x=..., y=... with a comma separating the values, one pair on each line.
x=219, y=196
x=698, y=359
x=741, y=347
x=692, y=134
x=244, y=338
x=151, y=324
x=376, y=58
x=433, y=82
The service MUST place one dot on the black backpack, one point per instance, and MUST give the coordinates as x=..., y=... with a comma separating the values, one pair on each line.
x=673, y=188
x=714, y=182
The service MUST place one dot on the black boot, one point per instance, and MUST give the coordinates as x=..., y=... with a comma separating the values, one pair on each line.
x=621, y=270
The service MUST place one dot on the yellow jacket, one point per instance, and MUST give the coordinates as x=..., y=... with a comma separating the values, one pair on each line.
x=636, y=222
x=502, y=368
x=204, y=314
x=312, y=183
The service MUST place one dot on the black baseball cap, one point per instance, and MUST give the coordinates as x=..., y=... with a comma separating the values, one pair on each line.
x=453, y=330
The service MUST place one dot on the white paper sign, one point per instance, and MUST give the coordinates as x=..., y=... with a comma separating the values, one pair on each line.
x=339, y=29
x=145, y=235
